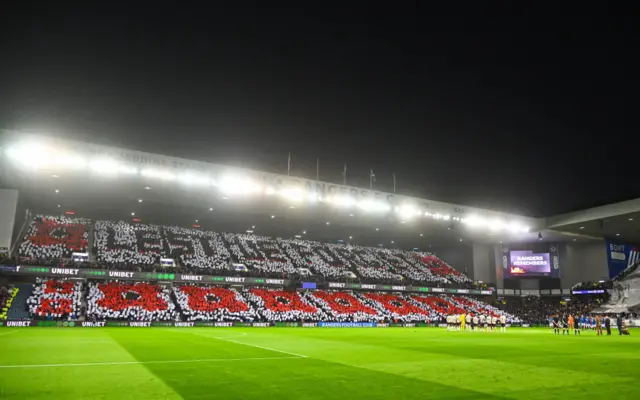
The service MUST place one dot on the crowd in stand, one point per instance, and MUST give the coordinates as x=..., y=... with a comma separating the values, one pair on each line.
x=53, y=299
x=139, y=301
x=140, y=247
x=537, y=309
x=213, y=304
x=203, y=303
x=50, y=239
x=122, y=243
x=6, y=295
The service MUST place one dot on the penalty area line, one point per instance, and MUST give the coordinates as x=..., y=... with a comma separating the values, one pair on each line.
x=6, y=333
x=94, y=364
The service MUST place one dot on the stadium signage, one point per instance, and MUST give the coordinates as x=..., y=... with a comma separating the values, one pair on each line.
x=140, y=324
x=151, y=276
x=261, y=324
x=409, y=325
x=18, y=323
x=309, y=324
x=120, y=274
x=347, y=324
x=100, y=324
x=382, y=325
x=103, y=274
x=64, y=271
x=223, y=324
x=191, y=277
x=356, y=286
x=184, y=324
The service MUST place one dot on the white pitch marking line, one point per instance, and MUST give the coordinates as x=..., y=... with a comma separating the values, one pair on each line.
x=145, y=362
x=252, y=345
x=6, y=333
x=264, y=348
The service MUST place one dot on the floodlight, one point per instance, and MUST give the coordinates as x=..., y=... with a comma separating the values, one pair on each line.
x=407, y=211
x=158, y=174
x=194, y=179
x=373, y=206
x=238, y=185
x=293, y=194
x=343, y=200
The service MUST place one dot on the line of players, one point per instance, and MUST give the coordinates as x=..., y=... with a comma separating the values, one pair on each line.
x=567, y=323
x=476, y=323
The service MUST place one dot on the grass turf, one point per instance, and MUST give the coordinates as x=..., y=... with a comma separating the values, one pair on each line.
x=315, y=363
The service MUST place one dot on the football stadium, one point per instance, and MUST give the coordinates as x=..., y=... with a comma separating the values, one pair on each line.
x=125, y=274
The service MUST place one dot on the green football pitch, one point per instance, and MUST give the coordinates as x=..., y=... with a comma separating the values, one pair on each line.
x=313, y=363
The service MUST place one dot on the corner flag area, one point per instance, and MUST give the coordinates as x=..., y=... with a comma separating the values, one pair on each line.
x=298, y=363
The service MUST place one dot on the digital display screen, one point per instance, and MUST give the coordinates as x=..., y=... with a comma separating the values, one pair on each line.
x=593, y=291
x=528, y=263
x=308, y=285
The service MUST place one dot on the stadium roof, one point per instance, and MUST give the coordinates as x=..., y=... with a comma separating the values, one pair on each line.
x=620, y=221
x=98, y=181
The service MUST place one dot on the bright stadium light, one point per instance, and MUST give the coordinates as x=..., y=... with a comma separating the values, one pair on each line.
x=293, y=194
x=407, y=211
x=373, y=206
x=104, y=166
x=30, y=155
x=238, y=185
x=496, y=225
x=194, y=179
x=158, y=174
x=343, y=201
x=67, y=160
x=475, y=221
x=127, y=170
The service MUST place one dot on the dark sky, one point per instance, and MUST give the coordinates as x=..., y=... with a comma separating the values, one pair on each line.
x=531, y=115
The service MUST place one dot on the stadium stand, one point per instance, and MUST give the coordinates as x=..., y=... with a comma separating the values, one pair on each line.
x=49, y=240
x=197, y=250
x=141, y=301
x=53, y=299
x=6, y=299
x=203, y=303
x=283, y=306
x=138, y=301
x=342, y=306
x=121, y=245
x=139, y=247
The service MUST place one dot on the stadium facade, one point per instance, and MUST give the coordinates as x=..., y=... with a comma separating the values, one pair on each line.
x=49, y=175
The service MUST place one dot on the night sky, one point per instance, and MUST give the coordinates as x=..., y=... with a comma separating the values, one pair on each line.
x=529, y=115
